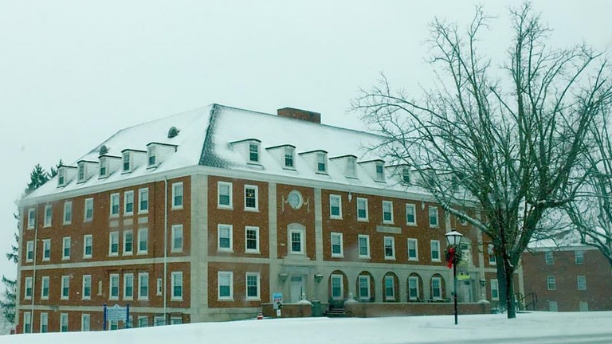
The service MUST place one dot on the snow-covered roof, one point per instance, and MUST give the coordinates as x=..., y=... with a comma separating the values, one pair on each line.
x=206, y=137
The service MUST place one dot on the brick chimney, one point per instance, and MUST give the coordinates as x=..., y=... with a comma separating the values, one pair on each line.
x=303, y=115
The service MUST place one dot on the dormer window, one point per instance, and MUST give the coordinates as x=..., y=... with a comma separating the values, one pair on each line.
x=406, y=175
x=61, y=177
x=351, y=171
x=151, y=155
x=288, y=158
x=321, y=162
x=126, y=162
x=380, y=172
x=103, y=167
x=81, y=173
x=254, y=152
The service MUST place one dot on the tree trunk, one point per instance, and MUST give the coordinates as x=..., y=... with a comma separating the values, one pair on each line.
x=510, y=304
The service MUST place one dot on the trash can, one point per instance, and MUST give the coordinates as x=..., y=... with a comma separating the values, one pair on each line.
x=316, y=308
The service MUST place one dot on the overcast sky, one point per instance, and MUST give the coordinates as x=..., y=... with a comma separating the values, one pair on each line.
x=72, y=73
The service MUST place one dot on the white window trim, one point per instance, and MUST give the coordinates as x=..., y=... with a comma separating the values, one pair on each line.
x=364, y=219
x=115, y=196
x=381, y=177
x=140, y=197
x=418, y=292
x=125, y=251
x=439, y=279
x=46, y=244
x=256, y=208
x=172, y=285
x=252, y=228
x=141, y=275
x=83, y=296
x=291, y=152
x=42, y=288
x=44, y=322
x=578, y=278
x=175, y=187
x=125, y=285
x=341, y=278
x=83, y=322
x=416, y=249
x=140, y=231
x=331, y=215
x=27, y=321
x=85, y=255
x=231, y=286
x=246, y=283
x=579, y=257
x=31, y=218
x=302, y=241
x=88, y=202
x=125, y=202
x=65, y=281
x=176, y=228
x=439, y=259
x=413, y=206
x=110, y=287
x=63, y=322
x=392, y=247
x=429, y=212
x=29, y=248
x=231, y=201
x=159, y=287
x=494, y=286
x=48, y=220
x=390, y=204
x=392, y=297
x=231, y=238
x=549, y=258
x=124, y=161
x=369, y=295
x=256, y=145
x=67, y=206
x=321, y=156
x=28, y=282
x=367, y=237
x=112, y=235
x=336, y=255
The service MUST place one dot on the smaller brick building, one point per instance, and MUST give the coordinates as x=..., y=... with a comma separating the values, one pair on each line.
x=567, y=279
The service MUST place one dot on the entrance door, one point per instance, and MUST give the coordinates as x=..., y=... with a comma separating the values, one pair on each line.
x=297, y=288
x=465, y=291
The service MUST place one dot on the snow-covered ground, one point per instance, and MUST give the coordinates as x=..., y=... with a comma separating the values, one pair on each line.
x=537, y=327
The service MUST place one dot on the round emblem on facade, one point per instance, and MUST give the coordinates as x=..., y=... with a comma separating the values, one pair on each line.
x=295, y=199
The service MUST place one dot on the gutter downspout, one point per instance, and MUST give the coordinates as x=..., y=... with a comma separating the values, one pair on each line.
x=165, y=246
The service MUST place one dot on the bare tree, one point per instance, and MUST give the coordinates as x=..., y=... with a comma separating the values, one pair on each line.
x=505, y=140
x=591, y=212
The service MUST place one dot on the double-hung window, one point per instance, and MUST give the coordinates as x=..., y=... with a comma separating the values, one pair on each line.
x=321, y=162
x=30, y=251
x=411, y=214
x=413, y=288
x=253, y=152
x=364, y=246
x=389, y=247
x=551, y=283
x=288, y=157
x=251, y=239
x=389, y=288
x=89, y=210
x=387, y=207
x=113, y=287
x=143, y=201
x=86, y=287
x=413, y=252
x=128, y=286
x=335, y=206
x=31, y=218
x=128, y=203
x=128, y=242
x=143, y=286
x=362, y=209
x=436, y=288
x=224, y=195
x=87, y=246
x=224, y=233
x=114, y=205
x=250, y=198
x=177, y=195
x=435, y=251
x=44, y=288
x=143, y=240
x=252, y=286
x=225, y=280
x=494, y=290
x=48, y=215
x=65, y=291
x=113, y=244
x=336, y=245
x=296, y=238
x=177, y=286
x=177, y=238
x=364, y=287
x=433, y=217
x=337, y=287
x=581, y=279
x=579, y=257
x=549, y=259
x=46, y=250
x=67, y=212
x=28, y=288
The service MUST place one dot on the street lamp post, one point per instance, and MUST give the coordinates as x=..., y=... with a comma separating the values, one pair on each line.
x=454, y=239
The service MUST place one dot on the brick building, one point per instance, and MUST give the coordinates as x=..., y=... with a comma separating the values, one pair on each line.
x=567, y=279
x=203, y=215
